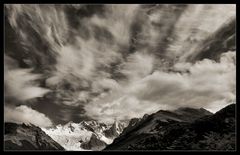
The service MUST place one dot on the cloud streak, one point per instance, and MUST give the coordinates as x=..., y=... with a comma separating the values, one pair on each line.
x=18, y=85
x=21, y=84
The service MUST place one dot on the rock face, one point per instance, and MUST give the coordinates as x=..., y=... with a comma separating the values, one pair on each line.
x=183, y=129
x=86, y=135
x=27, y=137
x=115, y=130
x=94, y=143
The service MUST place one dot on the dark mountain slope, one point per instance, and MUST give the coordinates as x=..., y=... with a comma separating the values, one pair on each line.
x=27, y=137
x=166, y=130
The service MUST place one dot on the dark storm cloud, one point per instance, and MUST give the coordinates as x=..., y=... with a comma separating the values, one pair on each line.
x=90, y=60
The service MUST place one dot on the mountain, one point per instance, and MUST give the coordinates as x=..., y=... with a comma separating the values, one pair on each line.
x=86, y=135
x=27, y=137
x=115, y=130
x=133, y=124
x=151, y=123
x=182, y=129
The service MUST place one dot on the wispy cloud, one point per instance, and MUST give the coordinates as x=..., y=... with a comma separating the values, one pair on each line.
x=21, y=84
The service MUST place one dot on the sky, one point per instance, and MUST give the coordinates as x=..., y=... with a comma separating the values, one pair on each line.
x=77, y=62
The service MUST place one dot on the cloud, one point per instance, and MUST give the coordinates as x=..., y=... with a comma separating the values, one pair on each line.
x=44, y=25
x=205, y=84
x=137, y=66
x=18, y=84
x=118, y=22
x=21, y=84
x=121, y=108
x=24, y=114
x=105, y=83
x=197, y=22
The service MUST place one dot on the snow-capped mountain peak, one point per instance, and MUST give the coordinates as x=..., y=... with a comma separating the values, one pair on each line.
x=86, y=135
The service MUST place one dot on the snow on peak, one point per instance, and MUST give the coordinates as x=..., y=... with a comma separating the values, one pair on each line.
x=72, y=135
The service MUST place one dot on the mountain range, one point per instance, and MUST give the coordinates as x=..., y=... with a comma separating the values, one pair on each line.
x=181, y=129
x=86, y=135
